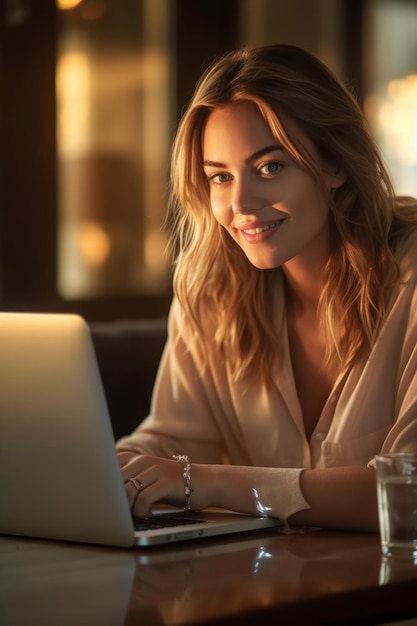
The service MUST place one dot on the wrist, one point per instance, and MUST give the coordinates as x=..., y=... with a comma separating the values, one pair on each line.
x=220, y=486
x=202, y=481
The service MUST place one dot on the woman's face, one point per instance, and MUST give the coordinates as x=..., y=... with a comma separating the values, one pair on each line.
x=269, y=204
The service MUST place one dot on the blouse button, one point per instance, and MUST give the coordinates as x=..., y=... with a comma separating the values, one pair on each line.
x=320, y=436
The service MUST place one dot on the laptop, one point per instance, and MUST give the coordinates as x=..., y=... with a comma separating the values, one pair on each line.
x=59, y=473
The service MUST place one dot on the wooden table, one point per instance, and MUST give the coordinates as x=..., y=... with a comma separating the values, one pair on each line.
x=308, y=577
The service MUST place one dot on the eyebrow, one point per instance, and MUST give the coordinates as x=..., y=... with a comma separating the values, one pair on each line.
x=250, y=159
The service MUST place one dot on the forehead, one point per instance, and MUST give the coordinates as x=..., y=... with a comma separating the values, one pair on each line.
x=242, y=129
x=235, y=126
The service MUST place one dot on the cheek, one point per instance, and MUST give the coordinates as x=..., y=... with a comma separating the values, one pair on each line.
x=308, y=201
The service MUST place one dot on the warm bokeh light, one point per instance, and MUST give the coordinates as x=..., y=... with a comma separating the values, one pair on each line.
x=66, y=5
x=393, y=116
x=113, y=140
x=155, y=246
x=73, y=87
x=390, y=81
x=94, y=243
x=398, y=118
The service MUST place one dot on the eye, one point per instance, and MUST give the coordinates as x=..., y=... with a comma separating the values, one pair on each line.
x=219, y=178
x=270, y=168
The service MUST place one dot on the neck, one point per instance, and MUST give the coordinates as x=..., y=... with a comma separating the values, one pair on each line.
x=303, y=287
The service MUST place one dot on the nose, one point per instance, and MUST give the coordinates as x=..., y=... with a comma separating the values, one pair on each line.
x=245, y=196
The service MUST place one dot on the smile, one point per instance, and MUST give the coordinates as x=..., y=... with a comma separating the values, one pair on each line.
x=262, y=229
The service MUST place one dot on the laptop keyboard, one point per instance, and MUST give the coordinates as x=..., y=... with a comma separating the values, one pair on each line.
x=163, y=521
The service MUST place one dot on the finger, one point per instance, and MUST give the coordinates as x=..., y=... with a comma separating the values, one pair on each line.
x=136, y=481
x=125, y=456
x=158, y=486
x=133, y=466
x=137, y=464
x=143, y=502
x=133, y=488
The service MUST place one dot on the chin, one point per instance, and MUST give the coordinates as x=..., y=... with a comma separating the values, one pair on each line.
x=264, y=264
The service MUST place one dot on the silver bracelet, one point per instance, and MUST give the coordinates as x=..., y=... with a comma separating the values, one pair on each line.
x=186, y=474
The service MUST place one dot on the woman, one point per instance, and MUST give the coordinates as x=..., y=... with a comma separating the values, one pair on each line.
x=291, y=359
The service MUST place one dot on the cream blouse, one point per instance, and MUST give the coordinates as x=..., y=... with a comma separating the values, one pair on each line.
x=371, y=409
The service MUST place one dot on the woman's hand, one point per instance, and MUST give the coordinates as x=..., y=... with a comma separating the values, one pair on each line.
x=150, y=479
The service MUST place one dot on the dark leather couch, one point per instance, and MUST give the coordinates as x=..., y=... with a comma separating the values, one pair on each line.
x=128, y=354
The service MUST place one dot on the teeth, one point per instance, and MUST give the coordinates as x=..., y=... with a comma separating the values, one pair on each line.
x=256, y=231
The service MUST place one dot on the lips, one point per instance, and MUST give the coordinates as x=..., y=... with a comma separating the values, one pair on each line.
x=259, y=232
x=261, y=229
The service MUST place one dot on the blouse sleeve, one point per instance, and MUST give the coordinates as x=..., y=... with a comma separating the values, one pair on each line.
x=185, y=408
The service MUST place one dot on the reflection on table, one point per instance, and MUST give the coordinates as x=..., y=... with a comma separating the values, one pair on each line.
x=269, y=575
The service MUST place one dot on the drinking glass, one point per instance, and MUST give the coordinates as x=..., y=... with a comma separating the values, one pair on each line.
x=397, y=503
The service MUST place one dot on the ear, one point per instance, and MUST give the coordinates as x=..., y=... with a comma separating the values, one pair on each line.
x=338, y=180
x=335, y=176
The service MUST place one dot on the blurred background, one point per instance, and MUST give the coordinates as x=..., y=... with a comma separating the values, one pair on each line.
x=91, y=93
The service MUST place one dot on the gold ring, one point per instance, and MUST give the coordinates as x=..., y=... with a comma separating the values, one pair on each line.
x=137, y=484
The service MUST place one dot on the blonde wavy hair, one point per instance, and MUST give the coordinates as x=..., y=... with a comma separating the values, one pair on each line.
x=226, y=301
